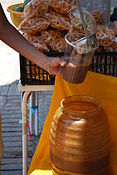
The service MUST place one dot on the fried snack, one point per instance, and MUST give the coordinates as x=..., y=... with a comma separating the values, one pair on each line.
x=75, y=37
x=84, y=48
x=58, y=21
x=59, y=45
x=35, y=8
x=37, y=42
x=48, y=37
x=79, y=31
x=77, y=22
x=114, y=45
x=106, y=42
x=58, y=34
x=99, y=17
x=54, y=40
x=105, y=35
x=34, y=26
x=63, y=6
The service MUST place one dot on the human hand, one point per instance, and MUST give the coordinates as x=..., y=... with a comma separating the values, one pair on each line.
x=55, y=65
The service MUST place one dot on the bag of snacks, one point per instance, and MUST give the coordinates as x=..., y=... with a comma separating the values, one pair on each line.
x=99, y=8
x=35, y=8
x=37, y=42
x=34, y=26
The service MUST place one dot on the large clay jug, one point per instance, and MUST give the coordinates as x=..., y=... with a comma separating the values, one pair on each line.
x=80, y=138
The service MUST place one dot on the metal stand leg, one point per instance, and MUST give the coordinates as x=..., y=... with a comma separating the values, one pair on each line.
x=24, y=131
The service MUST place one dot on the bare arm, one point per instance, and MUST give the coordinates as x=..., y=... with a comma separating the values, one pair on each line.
x=10, y=36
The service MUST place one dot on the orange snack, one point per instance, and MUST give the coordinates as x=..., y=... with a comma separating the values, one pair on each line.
x=99, y=17
x=106, y=42
x=77, y=22
x=75, y=37
x=48, y=37
x=35, y=8
x=105, y=35
x=63, y=6
x=37, y=42
x=59, y=45
x=34, y=26
x=58, y=21
x=54, y=40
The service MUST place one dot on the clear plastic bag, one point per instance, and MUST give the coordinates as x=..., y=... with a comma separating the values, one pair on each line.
x=61, y=6
x=34, y=26
x=100, y=6
x=54, y=40
x=76, y=22
x=35, y=8
x=37, y=42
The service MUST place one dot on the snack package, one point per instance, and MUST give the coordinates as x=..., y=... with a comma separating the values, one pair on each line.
x=57, y=20
x=105, y=35
x=48, y=37
x=59, y=45
x=99, y=17
x=76, y=21
x=54, y=40
x=34, y=26
x=63, y=6
x=37, y=42
x=100, y=9
x=35, y=8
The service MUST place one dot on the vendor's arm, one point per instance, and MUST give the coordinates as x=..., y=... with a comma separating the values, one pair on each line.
x=10, y=36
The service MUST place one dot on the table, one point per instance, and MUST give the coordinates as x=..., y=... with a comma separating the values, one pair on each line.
x=25, y=92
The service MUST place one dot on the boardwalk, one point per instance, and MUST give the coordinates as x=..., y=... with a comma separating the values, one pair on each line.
x=10, y=107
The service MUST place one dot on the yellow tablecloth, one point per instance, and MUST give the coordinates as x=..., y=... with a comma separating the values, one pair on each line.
x=42, y=172
x=97, y=85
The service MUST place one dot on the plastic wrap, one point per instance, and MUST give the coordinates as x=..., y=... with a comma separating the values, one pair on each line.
x=63, y=6
x=37, y=42
x=34, y=26
x=101, y=7
x=54, y=40
x=57, y=20
x=77, y=23
x=41, y=18
x=105, y=36
x=35, y=8
x=45, y=15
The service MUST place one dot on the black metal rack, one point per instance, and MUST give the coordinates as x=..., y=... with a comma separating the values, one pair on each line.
x=102, y=62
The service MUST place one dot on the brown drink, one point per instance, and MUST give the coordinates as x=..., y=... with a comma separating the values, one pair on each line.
x=75, y=74
x=78, y=55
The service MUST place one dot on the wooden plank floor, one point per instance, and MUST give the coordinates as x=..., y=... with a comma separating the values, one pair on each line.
x=10, y=108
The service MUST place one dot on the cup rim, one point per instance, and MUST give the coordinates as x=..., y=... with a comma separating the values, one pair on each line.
x=79, y=40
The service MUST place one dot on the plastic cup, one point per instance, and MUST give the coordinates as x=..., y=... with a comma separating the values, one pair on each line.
x=78, y=56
